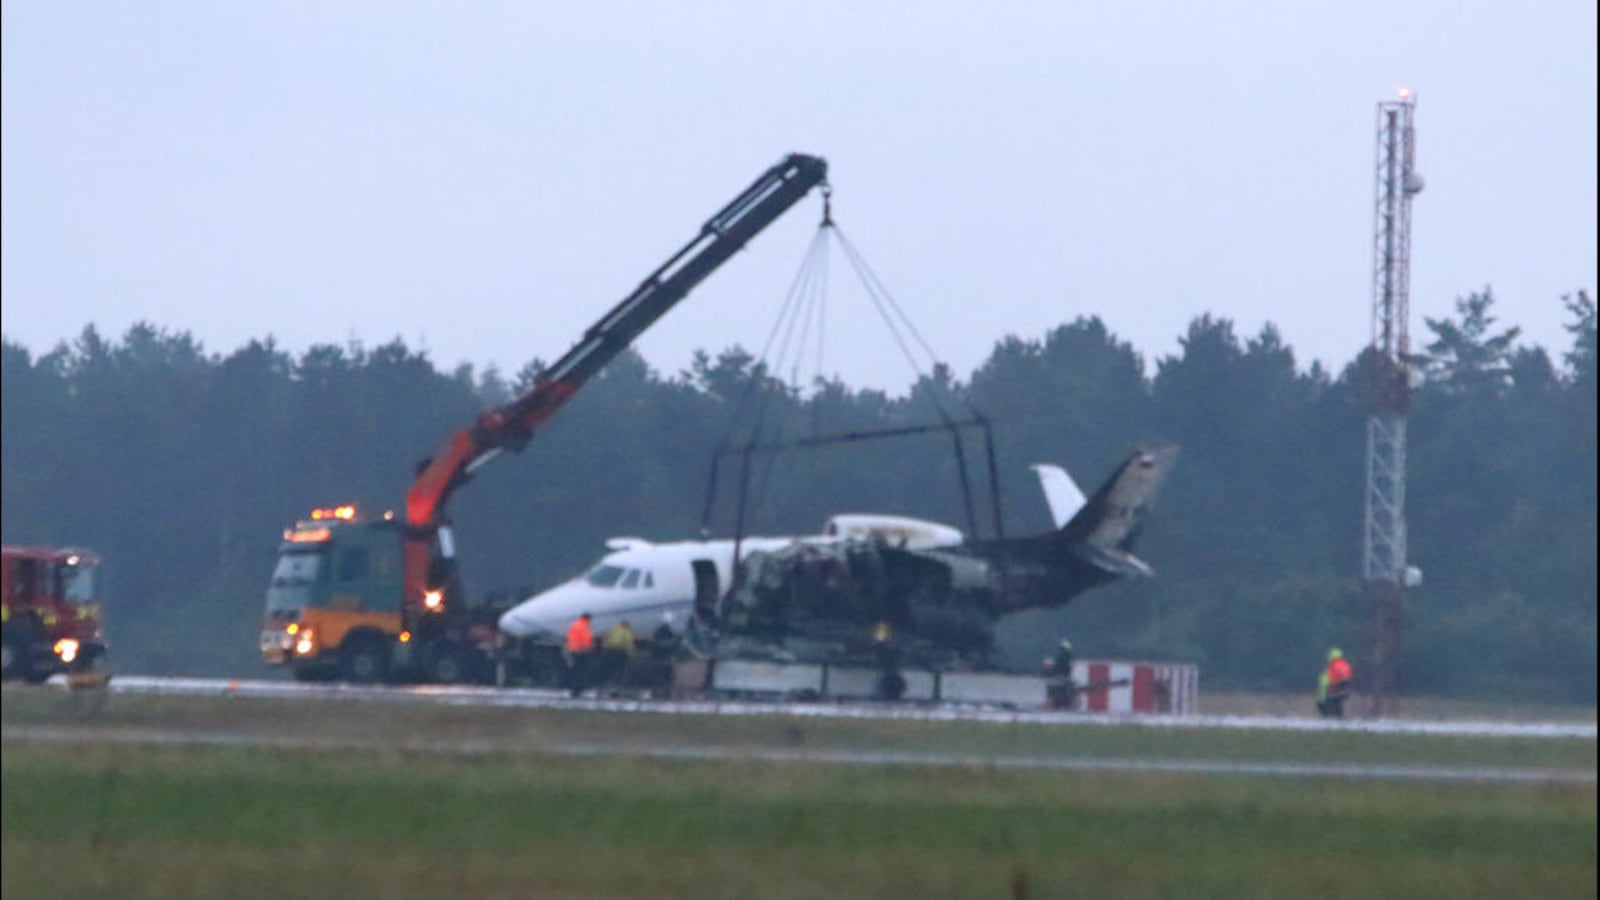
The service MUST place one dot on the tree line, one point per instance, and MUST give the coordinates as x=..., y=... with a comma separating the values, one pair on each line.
x=182, y=466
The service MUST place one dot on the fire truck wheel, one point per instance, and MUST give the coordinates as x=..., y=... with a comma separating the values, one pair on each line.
x=11, y=659
x=365, y=661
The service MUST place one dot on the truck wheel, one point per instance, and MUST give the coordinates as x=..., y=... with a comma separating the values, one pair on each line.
x=449, y=667
x=14, y=659
x=16, y=644
x=364, y=661
x=545, y=668
x=8, y=659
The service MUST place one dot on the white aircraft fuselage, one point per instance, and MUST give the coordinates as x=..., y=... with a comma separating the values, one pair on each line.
x=653, y=586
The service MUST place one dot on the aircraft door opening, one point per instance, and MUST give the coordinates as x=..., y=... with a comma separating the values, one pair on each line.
x=707, y=589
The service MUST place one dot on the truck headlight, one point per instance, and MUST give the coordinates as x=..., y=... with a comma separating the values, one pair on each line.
x=307, y=642
x=67, y=649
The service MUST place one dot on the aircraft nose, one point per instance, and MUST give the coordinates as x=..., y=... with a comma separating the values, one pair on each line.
x=512, y=622
x=521, y=620
x=532, y=616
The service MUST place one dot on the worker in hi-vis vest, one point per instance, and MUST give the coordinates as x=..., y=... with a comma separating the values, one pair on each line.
x=1333, y=685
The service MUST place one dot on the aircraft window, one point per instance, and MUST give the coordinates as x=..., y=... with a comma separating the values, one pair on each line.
x=605, y=576
x=631, y=580
x=649, y=580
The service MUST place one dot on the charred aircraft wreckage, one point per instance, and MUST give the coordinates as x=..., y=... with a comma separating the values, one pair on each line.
x=866, y=579
x=938, y=600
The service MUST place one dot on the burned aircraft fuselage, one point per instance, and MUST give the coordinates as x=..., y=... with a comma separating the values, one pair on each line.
x=829, y=598
x=937, y=602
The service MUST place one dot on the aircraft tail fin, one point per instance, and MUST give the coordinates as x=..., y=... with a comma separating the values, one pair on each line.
x=1061, y=493
x=1104, y=530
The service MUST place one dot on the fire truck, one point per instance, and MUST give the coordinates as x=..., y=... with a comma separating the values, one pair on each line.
x=50, y=609
x=377, y=598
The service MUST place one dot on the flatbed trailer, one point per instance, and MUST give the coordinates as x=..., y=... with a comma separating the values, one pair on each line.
x=1099, y=686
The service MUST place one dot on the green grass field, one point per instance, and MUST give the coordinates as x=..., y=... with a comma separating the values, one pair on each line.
x=91, y=819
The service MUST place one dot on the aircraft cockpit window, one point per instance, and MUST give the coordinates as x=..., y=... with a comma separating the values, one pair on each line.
x=649, y=580
x=605, y=576
x=631, y=580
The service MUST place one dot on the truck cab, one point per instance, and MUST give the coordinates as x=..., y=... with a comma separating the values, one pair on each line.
x=334, y=601
x=50, y=607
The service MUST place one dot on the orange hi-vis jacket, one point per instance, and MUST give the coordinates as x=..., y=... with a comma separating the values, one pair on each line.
x=1338, y=671
x=579, y=638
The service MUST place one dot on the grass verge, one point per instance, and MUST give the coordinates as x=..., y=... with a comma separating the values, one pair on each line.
x=99, y=821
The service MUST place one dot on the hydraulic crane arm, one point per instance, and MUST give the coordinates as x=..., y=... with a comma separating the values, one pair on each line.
x=511, y=426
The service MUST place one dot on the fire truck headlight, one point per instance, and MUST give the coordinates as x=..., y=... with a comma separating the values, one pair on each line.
x=433, y=600
x=67, y=649
x=307, y=642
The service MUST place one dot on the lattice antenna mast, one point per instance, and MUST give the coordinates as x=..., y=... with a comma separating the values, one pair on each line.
x=1384, y=571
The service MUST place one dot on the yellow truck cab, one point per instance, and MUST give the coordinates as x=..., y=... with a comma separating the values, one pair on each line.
x=334, y=602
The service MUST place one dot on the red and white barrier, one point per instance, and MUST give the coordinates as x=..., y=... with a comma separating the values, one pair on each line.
x=1103, y=686
x=1118, y=686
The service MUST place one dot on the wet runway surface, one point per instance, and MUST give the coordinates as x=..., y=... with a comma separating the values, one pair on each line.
x=534, y=698
x=528, y=698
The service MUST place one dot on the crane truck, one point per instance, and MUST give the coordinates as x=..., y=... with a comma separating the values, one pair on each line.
x=378, y=598
x=49, y=612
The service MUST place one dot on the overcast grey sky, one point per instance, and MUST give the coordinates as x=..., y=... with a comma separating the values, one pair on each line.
x=485, y=179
